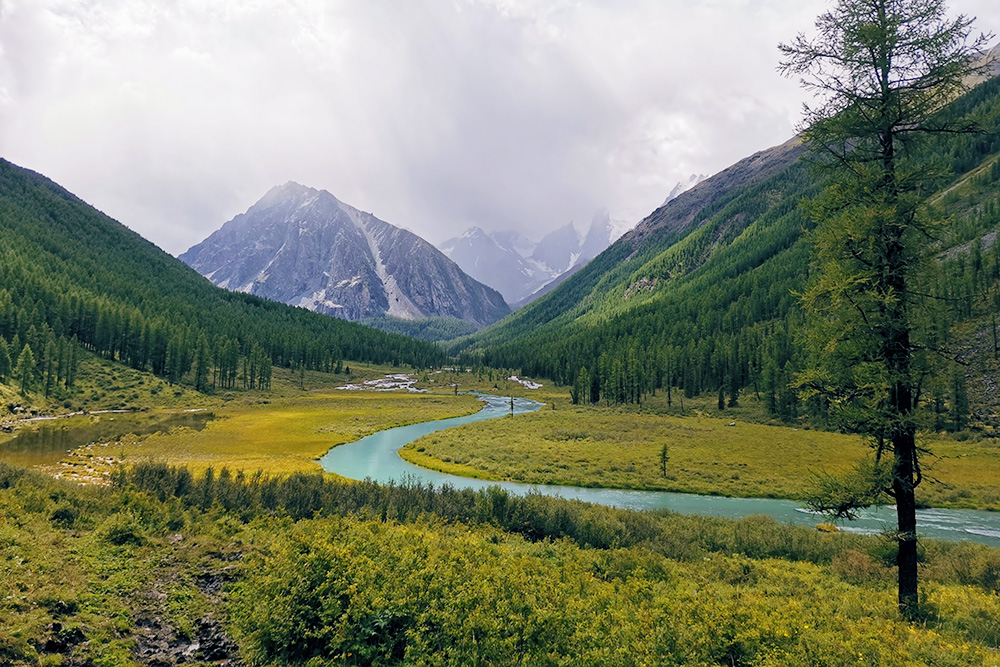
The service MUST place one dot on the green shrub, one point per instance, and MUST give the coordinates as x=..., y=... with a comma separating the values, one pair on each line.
x=122, y=529
x=860, y=568
x=64, y=516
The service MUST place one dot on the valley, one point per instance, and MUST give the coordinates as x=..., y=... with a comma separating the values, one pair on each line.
x=277, y=432
x=761, y=428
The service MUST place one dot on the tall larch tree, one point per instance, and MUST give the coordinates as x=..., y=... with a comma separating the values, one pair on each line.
x=881, y=70
x=24, y=372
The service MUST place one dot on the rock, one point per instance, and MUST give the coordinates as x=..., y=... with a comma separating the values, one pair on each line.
x=214, y=644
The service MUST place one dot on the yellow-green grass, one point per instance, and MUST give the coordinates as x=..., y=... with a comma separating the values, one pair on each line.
x=618, y=448
x=108, y=566
x=105, y=385
x=288, y=435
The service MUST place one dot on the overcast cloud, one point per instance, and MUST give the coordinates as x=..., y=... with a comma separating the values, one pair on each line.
x=174, y=115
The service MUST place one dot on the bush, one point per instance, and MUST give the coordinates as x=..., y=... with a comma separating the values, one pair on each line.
x=64, y=516
x=859, y=568
x=122, y=529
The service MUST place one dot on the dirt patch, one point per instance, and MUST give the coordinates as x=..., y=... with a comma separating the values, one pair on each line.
x=159, y=643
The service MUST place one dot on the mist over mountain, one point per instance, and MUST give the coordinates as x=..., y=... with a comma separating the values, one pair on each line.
x=304, y=247
x=520, y=268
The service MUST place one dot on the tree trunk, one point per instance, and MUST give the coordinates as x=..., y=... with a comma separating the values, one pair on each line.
x=906, y=474
x=906, y=523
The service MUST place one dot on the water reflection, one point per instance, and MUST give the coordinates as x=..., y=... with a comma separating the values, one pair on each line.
x=46, y=443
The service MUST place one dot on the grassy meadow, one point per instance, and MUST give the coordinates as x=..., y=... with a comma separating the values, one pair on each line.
x=621, y=448
x=288, y=435
x=279, y=431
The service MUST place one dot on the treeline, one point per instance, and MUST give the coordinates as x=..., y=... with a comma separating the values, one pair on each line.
x=71, y=277
x=715, y=310
x=431, y=329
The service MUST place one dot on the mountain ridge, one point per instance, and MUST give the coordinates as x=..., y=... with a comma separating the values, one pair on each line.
x=521, y=269
x=71, y=277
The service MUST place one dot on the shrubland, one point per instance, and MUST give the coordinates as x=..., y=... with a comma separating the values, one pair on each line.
x=306, y=569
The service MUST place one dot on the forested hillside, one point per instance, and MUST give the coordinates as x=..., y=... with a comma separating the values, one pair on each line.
x=72, y=278
x=702, y=295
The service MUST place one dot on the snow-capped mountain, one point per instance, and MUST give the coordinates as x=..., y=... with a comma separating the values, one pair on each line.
x=518, y=267
x=684, y=186
x=304, y=247
x=559, y=249
x=497, y=260
x=602, y=233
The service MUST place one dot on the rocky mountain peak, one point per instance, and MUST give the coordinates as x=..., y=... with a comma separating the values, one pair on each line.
x=304, y=247
x=683, y=186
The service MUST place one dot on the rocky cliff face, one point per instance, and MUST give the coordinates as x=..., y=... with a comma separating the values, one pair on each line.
x=496, y=259
x=304, y=247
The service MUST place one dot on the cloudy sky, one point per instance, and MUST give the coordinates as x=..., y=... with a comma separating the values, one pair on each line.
x=174, y=115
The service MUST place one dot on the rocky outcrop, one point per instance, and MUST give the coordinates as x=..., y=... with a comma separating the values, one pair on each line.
x=306, y=248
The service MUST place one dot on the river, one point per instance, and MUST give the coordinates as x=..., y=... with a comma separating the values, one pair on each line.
x=376, y=457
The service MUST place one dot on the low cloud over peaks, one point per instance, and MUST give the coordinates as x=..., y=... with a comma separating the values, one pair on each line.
x=432, y=114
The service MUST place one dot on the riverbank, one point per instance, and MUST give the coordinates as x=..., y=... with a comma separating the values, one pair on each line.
x=620, y=448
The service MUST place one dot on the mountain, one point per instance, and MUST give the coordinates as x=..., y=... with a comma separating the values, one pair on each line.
x=496, y=260
x=701, y=294
x=684, y=186
x=559, y=249
x=303, y=247
x=523, y=270
x=71, y=278
x=598, y=238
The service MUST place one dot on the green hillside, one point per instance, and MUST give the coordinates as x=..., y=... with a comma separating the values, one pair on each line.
x=702, y=294
x=74, y=282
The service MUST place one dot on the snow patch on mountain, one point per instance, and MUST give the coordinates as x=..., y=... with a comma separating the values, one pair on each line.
x=684, y=186
x=518, y=267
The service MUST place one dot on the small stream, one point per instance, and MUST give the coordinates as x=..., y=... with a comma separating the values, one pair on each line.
x=376, y=457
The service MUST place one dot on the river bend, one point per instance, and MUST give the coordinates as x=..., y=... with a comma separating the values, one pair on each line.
x=376, y=457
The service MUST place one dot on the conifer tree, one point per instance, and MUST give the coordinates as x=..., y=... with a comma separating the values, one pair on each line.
x=882, y=69
x=50, y=366
x=202, y=362
x=4, y=360
x=24, y=372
